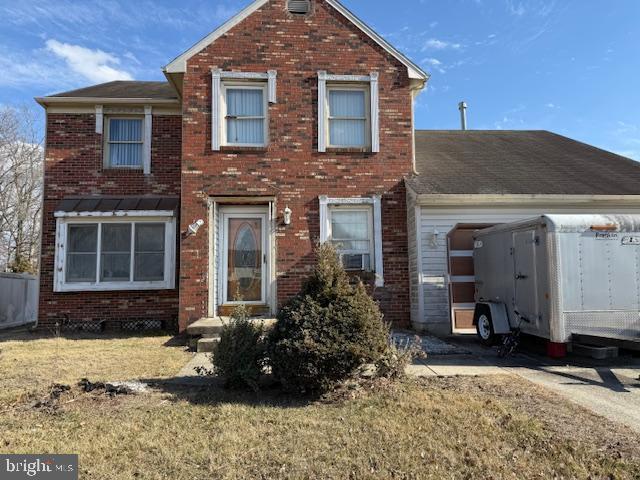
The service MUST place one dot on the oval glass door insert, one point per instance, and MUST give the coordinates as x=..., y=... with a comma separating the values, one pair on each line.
x=244, y=272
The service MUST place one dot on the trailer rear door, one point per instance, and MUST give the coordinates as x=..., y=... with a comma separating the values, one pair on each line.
x=526, y=285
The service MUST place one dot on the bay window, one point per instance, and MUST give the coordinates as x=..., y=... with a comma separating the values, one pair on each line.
x=115, y=254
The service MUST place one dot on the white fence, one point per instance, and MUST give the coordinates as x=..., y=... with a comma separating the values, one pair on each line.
x=18, y=299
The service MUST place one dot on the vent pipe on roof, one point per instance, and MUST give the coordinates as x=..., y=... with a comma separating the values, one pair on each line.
x=462, y=106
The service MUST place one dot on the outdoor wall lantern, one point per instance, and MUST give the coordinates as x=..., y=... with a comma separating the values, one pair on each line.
x=434, y=238
x=195, y=226
x=287, y=215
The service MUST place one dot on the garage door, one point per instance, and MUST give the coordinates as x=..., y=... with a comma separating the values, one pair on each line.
x=462, y=276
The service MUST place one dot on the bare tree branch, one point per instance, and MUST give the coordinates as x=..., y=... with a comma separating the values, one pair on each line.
x=21, y=177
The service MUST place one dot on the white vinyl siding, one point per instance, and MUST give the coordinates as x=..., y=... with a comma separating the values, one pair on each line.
x=124, y=142
x=111, y=254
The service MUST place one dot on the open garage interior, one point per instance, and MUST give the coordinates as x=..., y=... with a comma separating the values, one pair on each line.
x=443, y=278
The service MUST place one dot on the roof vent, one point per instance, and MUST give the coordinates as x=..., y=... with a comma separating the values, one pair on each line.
x=299, y=7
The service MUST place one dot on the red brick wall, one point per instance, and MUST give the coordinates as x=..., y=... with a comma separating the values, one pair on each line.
x=291, y=169
x=73, y=167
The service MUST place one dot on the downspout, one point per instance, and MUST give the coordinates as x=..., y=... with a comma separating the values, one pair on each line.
x=415, y=91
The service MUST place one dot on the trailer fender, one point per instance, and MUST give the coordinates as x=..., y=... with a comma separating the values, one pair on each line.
x=499, y=317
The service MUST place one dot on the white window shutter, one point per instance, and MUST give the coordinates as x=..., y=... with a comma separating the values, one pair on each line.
x=215, y=110
x=99, y=119
x=272, y=75
x=322, y=94
x=375, y=113
x=148, y=128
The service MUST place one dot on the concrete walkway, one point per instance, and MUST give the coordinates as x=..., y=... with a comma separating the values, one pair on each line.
x=608, y=388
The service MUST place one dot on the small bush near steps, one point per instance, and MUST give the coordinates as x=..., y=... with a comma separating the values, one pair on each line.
x=331, y=334
x=239, y=357
x=328, y=332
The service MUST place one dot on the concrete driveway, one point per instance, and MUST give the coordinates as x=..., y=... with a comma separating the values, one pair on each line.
x=609, y=388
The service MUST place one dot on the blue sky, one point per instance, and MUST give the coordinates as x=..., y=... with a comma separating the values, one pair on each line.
x=570, y=66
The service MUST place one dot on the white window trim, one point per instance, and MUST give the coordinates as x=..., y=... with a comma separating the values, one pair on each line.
x=376, y=203
x=367, y=113
x=217, y=117
x=374, y=121
x=223, y=112
x=62, y=223
x=146, y=139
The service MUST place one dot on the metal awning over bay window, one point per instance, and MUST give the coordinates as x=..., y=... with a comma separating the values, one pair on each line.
x=115, y=244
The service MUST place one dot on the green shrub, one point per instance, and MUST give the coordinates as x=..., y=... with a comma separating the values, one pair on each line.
x=398, y=356
x=239, y=357
x=328, y=331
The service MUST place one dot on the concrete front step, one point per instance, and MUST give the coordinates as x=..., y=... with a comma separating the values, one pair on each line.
x=205, y=333
x=206, y=345
x=207, y=326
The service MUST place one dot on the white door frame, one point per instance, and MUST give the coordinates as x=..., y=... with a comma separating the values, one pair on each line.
x=249, y=211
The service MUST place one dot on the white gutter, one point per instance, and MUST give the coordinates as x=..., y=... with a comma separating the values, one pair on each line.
x=44, y=101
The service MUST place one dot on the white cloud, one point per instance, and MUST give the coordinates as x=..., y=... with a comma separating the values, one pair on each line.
x=435, y=44
x=550, y=105
x=515, y=8
x=94, y=65
x=434, y=63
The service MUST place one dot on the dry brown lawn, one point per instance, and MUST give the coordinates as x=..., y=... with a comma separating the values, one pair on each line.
x=480, y=428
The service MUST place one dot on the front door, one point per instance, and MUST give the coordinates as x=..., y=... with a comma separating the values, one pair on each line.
x=244, y=256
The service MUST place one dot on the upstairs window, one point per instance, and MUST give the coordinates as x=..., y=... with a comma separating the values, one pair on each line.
x=245, y=119
x=352, y=235
x=124, y=142
x=348, y=117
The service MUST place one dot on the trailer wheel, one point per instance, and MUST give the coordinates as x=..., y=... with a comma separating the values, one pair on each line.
x=484, y=325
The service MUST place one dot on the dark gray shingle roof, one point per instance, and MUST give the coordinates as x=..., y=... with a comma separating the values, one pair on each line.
x=124, y=89
x=518, y=162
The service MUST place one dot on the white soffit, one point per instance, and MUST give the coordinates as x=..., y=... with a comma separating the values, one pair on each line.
x=179, y=64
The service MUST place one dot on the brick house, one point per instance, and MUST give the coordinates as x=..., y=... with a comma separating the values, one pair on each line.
x=289, y=125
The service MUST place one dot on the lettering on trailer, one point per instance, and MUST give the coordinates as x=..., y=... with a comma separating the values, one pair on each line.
x=631, y=240
x=606, y=236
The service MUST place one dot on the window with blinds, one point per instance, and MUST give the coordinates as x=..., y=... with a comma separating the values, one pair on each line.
x=124, y=142
x=352, y=235
x=245, y=117
x=348, y=117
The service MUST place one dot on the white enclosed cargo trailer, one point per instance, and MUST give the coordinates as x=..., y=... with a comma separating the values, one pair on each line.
x=556, y=276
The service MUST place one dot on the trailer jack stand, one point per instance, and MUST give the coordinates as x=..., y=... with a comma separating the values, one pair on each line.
x=556, y=350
